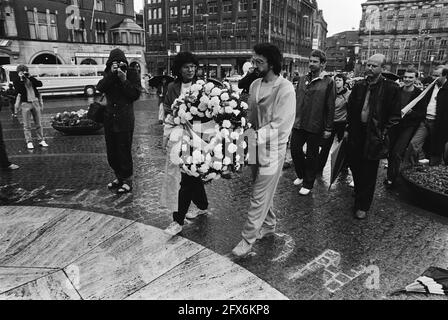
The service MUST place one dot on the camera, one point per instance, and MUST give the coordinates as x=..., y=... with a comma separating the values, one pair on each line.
x=123, y=67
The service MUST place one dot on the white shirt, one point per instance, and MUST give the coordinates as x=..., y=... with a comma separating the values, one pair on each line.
x=185, y=87
x=431, y=110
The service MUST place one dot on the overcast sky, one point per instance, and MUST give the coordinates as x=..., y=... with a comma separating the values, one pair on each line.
x=341, y=15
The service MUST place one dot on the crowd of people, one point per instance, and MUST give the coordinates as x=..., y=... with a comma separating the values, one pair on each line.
x=378, y=117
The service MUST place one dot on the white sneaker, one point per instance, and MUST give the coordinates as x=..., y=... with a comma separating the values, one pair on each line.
x=30, y=145
x=173, y=229
x=195, y=213
x=298, y=182
x=13, y=166
x=242, y=249
x=352, y=184
x=43, y=143
x=304, y=191
x=423, y=161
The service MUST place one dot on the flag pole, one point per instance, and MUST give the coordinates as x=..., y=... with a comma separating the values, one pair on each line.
x=93, y=14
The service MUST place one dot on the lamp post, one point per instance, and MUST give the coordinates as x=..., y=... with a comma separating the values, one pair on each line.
x=55, y=50
x=431, y=59
x=421, y=33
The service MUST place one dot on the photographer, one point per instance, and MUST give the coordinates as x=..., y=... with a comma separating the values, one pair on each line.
x=28, y=101
x=121, y=86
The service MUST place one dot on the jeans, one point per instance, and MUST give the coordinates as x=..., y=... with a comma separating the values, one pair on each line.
x=32, y=109
x=306, y=168
x=191, y=189
x=4, y=161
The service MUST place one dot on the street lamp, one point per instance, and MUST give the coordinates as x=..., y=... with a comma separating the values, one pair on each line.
x=421, y=33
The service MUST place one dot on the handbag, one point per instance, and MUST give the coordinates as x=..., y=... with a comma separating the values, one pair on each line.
x=96, y=110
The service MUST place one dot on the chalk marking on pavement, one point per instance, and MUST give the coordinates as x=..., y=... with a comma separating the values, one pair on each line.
x=288, y=247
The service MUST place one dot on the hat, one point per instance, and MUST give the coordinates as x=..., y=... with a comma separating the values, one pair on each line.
x=116, y=55
x=22, y=67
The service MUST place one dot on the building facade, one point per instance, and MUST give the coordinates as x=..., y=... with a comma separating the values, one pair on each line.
x=68, y=32
x=320, y=31
x=407, y=32
x=222, y=33
x=343, y=51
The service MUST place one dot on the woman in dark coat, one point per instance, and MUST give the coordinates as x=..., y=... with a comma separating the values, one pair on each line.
x=121, y=87
x=191, y=188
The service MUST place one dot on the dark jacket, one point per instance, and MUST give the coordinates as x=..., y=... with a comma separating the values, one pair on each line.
x=172, y=93
x=315, y=103
x=418, y=113
x=384, y=113
x=119, y=111
x=19, y=86
x=441, y=122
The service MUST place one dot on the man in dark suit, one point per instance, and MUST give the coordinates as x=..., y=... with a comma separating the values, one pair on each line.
x=373, y=108
x=401, y=134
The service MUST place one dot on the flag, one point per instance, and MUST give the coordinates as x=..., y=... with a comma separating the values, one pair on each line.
x=413, y=103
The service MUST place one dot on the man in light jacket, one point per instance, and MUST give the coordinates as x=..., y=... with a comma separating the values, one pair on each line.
x=316, y=95
x=272, y=113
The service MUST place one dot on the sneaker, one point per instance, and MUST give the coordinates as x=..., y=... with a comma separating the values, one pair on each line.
x=388, y=183
x=173, y=229
x=13, y=166
x=30, y=145
x=265, y=232
x=43, y=143
x=298, y=182
x=360, y=214
x=304, y=191
x=423, y=161
x=242, y=249
x=352, y=184
x=195, y=213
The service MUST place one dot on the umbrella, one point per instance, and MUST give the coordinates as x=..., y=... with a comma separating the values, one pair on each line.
x=215, y=82
x=390, y=75
x=338, y=157
x=156, y=81
x=433, y=280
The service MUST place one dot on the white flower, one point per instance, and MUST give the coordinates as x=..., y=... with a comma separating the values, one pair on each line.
x=208, y=158
x=219, y=155
x=201, y=114
x=236, y=112
x=193, y=168
x=216, y=92
x=221, y=110
x=208, y=114
x=186, y=138
x=237, y=158
x=235, y=95
x=233, y=104
x=177, y=120
x=196, y=87
x=227, y=161
x=188, y=116
x=234, y=135
x=193, y=110
x=184, y=148
x=243, y=121
x=227, y=84
x=214, y=102
x=200, y=82
x=226, y=124
x=217, y=165
x=203, y=106
x=224, y=132
x=212, y=175
x=208, y=87
x=183, y=107
x=225, y=96
x=244, y=105
x=204, y=168
x=204, y=99
x=228, y=109
x=232, y=148
x=188, y=160
x=243, y=144
x=197, y=156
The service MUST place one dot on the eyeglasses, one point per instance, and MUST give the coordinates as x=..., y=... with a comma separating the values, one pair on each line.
x=258, y=61
x=369, y=65
x=190, y=67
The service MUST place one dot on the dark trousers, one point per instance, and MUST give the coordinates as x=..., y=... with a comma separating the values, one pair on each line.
x=191, y=189
x=305, y=167
x=364, y=174
x=4, y=161
x=399, y=138
x=119, y=154
x=424, y=131
x=338, y=131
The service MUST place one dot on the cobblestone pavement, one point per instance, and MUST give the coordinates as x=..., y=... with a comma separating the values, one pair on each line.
x=318, y=252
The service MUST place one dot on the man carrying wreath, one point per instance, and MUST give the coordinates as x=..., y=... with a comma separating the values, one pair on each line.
x=272, y=107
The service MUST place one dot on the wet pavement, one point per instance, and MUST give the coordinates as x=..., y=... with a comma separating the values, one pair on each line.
x=319, y=250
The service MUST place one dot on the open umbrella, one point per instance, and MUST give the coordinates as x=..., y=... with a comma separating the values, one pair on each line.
x=338, y=158
x=156, y=81
x=433, y=281
x=390, y=75
x=215, y=82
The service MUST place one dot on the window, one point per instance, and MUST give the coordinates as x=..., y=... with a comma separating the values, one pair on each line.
x=53, y=27
x=119, y=6
x=135, y=38
x=417, y=55
x=186, y=10
x=441, y=55
x=443, y=43
x=173, y=11
x=99, y=5
x=243, y=5
x=227, y=6
x=213, y=7
x=8, y=22
x=199, y=8
x=41, y=28
x=79, y=34
x=254, y=4
x=100, y=27
x=406, y=55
